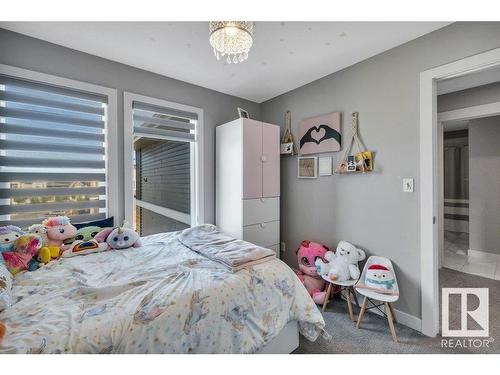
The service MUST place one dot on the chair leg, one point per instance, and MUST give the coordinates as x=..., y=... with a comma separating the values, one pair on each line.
x=392, y=312
x=349, y=305
x=390, y=319
x=362, y=312
x=353, y=291
x=327, y=296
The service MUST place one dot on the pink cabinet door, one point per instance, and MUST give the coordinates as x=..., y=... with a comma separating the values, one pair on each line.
x=252, y=163
x=270, y=160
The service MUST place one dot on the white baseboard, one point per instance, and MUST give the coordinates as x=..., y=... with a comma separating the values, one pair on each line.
x=484, y=255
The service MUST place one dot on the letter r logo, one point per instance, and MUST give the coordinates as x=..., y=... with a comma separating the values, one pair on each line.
x=477, y=315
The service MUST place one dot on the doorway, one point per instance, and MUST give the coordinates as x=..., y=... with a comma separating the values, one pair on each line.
x=429, y=177
x=469, y=237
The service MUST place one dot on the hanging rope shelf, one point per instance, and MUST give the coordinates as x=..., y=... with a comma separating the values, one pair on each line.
x=288, y=146
x=361, y=162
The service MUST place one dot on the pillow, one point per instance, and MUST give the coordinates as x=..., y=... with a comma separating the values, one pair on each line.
x=87, y=231
x=103, y=223
x=5, y=287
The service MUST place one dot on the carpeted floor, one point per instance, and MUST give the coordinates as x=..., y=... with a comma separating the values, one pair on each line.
x=374, y=335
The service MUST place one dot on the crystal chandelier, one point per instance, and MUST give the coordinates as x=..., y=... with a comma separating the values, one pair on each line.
x=232, y=39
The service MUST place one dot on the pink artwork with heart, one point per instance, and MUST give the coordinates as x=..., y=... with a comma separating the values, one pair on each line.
x=320, y=134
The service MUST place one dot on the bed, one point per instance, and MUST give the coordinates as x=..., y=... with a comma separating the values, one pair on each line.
x=158, y=298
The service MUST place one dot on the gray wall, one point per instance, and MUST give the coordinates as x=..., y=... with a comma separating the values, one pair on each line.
x=484, y=171
x=467, y=98
x=29, y=53
x=371, y=210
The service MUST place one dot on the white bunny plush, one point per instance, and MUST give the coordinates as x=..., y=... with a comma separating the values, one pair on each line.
x=343, y=265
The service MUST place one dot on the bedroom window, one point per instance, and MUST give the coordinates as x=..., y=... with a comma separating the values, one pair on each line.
x=163, y=153
x=54, y=154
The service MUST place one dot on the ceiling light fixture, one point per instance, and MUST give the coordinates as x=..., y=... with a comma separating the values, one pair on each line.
x=232, y=39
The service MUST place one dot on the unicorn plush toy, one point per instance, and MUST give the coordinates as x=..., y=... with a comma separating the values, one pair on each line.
x=59, y=229
x=119, y=238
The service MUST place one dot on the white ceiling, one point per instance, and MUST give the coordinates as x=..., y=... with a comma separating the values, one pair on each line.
x=455, y=125
x=285, y=55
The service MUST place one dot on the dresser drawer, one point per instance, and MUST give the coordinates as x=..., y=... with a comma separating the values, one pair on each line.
x=260, y=210
x=264, y=234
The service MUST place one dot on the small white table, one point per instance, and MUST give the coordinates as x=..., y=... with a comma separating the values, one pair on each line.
x=347, y=287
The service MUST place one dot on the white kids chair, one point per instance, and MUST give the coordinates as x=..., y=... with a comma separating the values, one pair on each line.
x=374, y=296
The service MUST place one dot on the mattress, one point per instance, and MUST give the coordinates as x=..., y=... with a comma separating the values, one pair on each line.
x=159, y=298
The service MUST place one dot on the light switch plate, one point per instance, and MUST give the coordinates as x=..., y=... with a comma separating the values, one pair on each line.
x=408, y=185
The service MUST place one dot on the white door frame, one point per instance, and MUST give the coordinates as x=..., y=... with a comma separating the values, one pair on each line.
x=429, y=194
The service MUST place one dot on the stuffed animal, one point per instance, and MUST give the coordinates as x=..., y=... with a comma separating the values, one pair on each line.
x=343, y=265
x=307, y=254
x=22, y=257
x=41, y=231
x=85, y=247
x=59, y=229
x=3, y=329
x=380, y=277
x=8, y=236
x=46, y=253
x=84, y=234
x=119, y=238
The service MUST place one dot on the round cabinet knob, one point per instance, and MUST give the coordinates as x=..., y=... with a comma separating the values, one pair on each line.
x=262, y=225
x=263, y=158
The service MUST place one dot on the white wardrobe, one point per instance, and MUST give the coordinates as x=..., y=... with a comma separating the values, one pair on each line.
x=248, y=181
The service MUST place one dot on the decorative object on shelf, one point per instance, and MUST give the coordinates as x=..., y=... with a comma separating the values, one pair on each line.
x=288, y=146
x=365, y=159
x=320, y=134
x=243, y=113
x=362, y=161
x=307, y=167
x=325, y=166
x=231, y=40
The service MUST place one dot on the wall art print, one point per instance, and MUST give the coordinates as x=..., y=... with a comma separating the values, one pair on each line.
x=320, y=134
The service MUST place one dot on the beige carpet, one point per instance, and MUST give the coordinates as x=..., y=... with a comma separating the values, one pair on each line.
x=374, y=336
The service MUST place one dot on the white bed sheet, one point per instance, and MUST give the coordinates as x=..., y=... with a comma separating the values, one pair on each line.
x=159, y=298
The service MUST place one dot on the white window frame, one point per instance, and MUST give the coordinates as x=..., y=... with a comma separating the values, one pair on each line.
x=197, y=213
x=112, y=172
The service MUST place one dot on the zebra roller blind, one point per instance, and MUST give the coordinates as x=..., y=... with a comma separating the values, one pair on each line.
x=52, y=152
x=163, y=123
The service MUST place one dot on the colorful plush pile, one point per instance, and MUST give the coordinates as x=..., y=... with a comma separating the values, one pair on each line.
x=56, y=237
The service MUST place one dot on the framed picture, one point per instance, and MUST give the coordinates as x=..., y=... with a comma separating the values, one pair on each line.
x=307, y=167
x=242, y=113
x=320, y=134
x=325, y=166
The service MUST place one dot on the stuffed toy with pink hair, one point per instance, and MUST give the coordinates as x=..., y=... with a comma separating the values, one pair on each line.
x=307, y=254
x=59, y=229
